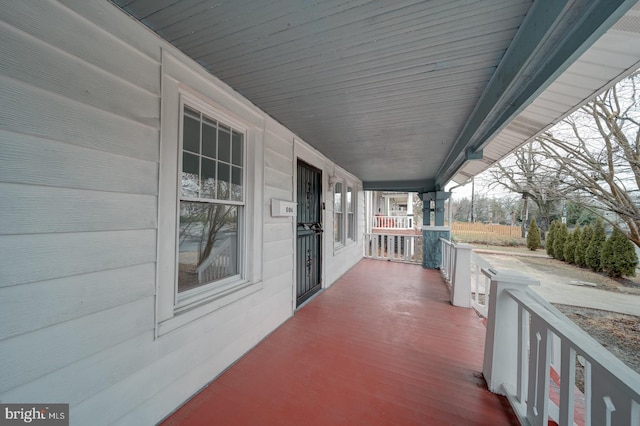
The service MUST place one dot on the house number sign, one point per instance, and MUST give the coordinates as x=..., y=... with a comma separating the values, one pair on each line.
x=283, y=208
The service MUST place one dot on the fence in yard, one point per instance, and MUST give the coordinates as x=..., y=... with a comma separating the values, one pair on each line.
x=484, y=231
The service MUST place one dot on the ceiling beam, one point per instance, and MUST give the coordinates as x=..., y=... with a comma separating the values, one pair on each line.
x=400, y=186
x=552, y=36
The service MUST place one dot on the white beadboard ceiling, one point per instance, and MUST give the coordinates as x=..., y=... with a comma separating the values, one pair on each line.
x=406, y=94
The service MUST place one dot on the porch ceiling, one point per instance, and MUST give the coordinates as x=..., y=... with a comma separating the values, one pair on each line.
x=404, y=94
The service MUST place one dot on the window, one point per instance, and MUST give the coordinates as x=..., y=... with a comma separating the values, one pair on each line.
x=338, y=215
x=209, y=229
x=350, y=216
x=211, y=200
x=344, y=217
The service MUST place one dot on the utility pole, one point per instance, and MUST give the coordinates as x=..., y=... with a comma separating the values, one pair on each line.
x=525, y=214
x=473, y=193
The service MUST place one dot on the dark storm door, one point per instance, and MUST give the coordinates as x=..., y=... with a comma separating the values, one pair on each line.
x=309, y=232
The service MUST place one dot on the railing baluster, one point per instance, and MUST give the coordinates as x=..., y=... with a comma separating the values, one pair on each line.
x=394, y=247
x=539, y=357
x=567, y=383
x=587, y=393
x=523, y=354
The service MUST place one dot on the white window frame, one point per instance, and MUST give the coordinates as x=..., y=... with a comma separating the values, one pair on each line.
x=346, y=240
x=182, y=82
x=350, y=213
x=186, y=299
x=339, y=240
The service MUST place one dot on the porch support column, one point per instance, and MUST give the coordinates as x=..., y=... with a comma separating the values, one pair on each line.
x=500, y=366
x=461, y=280
x=431, y=248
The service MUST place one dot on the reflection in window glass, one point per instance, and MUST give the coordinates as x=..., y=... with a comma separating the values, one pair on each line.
x=236, y=183
x=208, y=242
x=209, y=150
x=224, y=174
x=208, y=228
x=208, y=183
x=338, y=217
x=191, y=135
x=224, y=144
x=190, y=173
x=237, y=151
x=209, y=139
x=350, y=216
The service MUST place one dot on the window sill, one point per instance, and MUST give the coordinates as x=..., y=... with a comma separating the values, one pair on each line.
x=224, y=296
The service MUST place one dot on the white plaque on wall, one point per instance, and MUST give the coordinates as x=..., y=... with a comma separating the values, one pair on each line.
x=283, y=208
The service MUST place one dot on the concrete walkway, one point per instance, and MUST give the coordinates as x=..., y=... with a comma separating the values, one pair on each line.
x=558, y=289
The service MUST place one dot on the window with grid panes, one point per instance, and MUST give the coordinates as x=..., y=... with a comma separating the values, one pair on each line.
x=350, y=204
x=338, y=215
x=211, y=200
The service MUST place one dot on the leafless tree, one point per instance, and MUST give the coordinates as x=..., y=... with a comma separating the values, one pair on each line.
x=597, y=151
x=531, y=174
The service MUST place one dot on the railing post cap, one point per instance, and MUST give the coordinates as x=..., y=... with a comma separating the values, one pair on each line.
x=509, y=276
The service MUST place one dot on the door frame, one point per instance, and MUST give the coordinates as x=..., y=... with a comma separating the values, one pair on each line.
x=310, y=156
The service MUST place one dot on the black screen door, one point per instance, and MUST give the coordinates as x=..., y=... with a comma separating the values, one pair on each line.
x=309, y=232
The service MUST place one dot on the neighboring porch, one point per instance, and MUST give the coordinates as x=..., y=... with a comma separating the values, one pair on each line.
x=383, y=345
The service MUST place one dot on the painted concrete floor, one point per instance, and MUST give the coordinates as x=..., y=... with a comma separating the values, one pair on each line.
x=382, y=346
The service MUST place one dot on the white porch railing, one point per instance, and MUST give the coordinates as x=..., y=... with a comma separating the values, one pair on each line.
x=528, y=339
x=392, y=222
x=461, y=268
x=405, y=248
x=220, y=263
x=479, y=284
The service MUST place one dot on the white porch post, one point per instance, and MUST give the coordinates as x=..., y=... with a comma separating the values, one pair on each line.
x=461, y=282
x=500, y=365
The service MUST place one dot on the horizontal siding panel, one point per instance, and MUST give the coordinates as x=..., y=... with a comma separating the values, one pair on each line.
x=278, y=249
x=76, y=382
x=199, y=360
x=29, y=307
x=70, y=76
x=109, y=19
x=279, y=145
x=40, y=257
x=64, y=120
x=39, y=209
x=280, y=283
x=52, y=22
x=277, y=232
x=40, y=352
x=278, y=179
x=278, y=266
x=272, y=192
x=275, y=161
x=32, y=160
x=277, y=220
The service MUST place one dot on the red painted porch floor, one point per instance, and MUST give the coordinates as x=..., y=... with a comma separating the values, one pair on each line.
x=382, y=346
